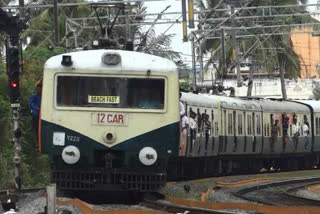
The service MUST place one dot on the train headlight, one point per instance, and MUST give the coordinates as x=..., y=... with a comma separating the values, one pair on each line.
x=111, y=59
x=109, y=137
x=148, y=156
x=71, y=154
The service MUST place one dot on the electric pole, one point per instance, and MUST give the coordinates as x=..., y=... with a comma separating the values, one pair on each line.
x=194, y=80
x=224, y=58
x=235, y=48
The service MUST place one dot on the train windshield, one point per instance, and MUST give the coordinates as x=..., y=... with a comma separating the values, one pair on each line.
x=110, y=92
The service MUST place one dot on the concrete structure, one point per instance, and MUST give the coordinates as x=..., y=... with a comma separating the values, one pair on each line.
x=307, y=47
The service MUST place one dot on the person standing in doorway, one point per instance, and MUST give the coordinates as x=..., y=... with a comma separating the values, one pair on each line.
x=34, y=104
x=275, y=129
x=296, y=129
x=285, y=127
x=306, y=132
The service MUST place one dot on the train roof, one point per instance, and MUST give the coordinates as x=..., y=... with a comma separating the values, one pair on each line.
x=199, y=100
x=282, y=106
x=205, y=100
x=130, y=61
x=314, y=104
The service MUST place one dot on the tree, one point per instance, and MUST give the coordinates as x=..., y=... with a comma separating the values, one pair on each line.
x=270, y=51
x=40, y=30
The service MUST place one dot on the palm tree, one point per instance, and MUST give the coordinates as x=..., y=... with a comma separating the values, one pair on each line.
x=40, y=30
x=277, y=50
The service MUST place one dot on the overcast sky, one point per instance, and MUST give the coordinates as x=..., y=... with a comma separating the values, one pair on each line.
x=177, y=43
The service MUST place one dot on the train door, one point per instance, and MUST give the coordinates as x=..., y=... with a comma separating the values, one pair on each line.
x=257, y=147
x=234, y=140
x=250, y=134
x=307, y=128
x=225, y=136
x=207, y=123
x=316, y=139
x=266, y=139
x=215, y=133
x=245, y=132
x=192, y=130
x=240, y=135
x=254, y=127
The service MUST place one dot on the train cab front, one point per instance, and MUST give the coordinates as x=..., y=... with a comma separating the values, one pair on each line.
x=109, y=132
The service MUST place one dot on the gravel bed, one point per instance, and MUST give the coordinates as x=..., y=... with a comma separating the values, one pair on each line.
x=120, y=207
x=34, y=203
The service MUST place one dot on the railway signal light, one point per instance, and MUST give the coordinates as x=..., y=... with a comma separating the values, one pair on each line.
x=14, y=90
x=13, y=69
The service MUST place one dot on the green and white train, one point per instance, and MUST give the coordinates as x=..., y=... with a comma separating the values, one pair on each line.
x=110, y=121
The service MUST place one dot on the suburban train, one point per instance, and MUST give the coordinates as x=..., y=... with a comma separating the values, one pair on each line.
x=111, y=120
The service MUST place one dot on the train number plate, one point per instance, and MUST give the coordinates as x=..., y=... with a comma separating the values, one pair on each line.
x=109, y=118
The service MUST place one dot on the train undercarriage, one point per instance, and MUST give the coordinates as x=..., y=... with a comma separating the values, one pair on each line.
x=186, y=168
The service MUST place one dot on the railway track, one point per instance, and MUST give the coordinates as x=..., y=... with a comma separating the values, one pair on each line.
x=30, y=190
x=169, y=207
x=280, y=193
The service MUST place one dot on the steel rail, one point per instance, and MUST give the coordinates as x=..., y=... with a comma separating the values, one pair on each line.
x=242, y=193
x=174, y=208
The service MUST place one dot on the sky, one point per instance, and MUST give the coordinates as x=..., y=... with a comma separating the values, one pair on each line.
x=177, y=43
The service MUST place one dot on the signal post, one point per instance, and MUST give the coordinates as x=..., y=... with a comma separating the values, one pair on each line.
x=12, y=26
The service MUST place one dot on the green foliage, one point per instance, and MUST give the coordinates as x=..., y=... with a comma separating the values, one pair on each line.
x=40, y=31
x=35, y=166
x=272, y=49
x=184, y=84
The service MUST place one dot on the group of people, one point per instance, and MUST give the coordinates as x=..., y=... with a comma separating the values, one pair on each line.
x=196, y=123
x=296, y=128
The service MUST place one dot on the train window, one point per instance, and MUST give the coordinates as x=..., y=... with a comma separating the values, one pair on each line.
x=249, y=124
x=258, y=117
x=240, y=132
x=110, y=92
x=212, y=123
x=230, y=123
x=317, y=126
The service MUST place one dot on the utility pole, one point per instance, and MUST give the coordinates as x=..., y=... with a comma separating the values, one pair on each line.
x=235, y=48
x=224, y=58
x=201, y=60
x=194, y=80
x=250, y=80
x=56, y=22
